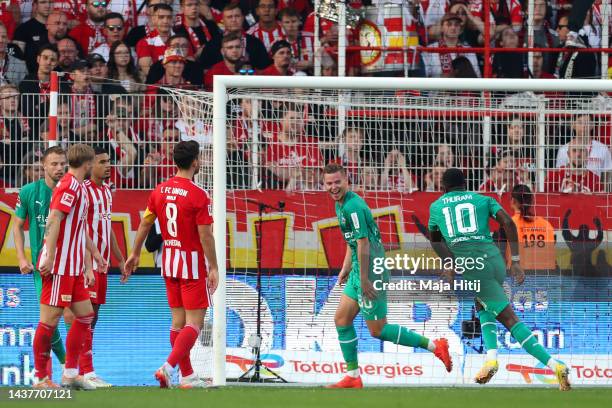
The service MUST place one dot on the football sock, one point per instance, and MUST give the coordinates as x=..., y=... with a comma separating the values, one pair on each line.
x=488, y=327
x=183, y=344
x=86, y=356
x=42, y=349
x=347, y=336
x=57, y=345
x=185, y=362
x=75, y=341
x=397, y=334
x=529, y=342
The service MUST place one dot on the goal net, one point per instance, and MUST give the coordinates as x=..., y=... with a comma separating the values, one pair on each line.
x=396, y=137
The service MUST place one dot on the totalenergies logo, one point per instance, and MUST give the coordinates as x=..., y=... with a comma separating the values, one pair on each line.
x=540, y=372
x=267, y=361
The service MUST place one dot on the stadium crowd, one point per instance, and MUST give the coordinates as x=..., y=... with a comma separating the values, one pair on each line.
x=117, y=54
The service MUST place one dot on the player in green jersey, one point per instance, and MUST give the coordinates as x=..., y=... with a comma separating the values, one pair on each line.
x=363, y=291
x=459, y=228
x=33, y=205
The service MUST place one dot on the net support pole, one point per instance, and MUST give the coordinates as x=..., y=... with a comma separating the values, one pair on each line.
x=530, y=33
x=255, y=143
x=317, y=41
x=541, y=146
x=219, y=226
x=342, y=38
x=53, y=96
x=605, y=35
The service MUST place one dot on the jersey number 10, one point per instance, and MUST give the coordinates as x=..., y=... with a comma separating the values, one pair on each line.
x=465, y=224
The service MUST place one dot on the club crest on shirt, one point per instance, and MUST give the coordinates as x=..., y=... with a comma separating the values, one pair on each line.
x=67, y=199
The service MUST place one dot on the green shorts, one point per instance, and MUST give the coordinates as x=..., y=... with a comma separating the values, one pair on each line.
x=370, y=309
x=37, y=283
x=491, y=275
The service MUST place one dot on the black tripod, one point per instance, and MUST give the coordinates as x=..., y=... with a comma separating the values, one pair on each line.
x=253, y=374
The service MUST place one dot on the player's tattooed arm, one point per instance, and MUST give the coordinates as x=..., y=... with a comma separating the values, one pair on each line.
x=509, y=227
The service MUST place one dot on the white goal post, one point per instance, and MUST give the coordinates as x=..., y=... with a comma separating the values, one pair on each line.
x=223, y=84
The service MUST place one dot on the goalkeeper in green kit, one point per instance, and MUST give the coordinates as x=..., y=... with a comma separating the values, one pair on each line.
x=459, y=228
x=363, y=291
x=33, y=205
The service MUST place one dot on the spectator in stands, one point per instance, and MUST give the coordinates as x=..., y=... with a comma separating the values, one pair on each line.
x=152, y=48
x=267, y=29
x=164, y=115
x=516, y=145
x=254, y=50
x=539, y=71
x=440, y=64
x=293, y=160
x=232, y=51
x=126, y=149
x=141, y=31
x=395, y=175
x=445, y=156
x=122, y=69
x=574, y=176
x=35, y=88
x=12, y=69
x=14, y=129
x=159, y=164
x=433, y=179
x=462, y=68
x=505, y=13
x=510, y=64
x=32, y=169
x=503, y=175
x=574, y=64
x=598, y=159
x=302, y=43
x=199, y=32
x=174, y=66
x=85, y=104
x=113, y=30
x=33, y=33
x=10, y=15
x=98, y=73
x=68, y=53
x=350, y=154
x=544, y=36
x=89, y=33
x=472, y=27
x=193, y=73
x=328, y=65
x=56, y=28
x=65, y=135
x=281, y=60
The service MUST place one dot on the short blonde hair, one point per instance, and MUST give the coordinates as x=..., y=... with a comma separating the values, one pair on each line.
x=78, y=154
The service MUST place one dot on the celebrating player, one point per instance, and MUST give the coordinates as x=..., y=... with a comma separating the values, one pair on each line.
x=459, y=228
x=63, y=262
x=33, y=205
x=101, y=234
x=363, y=247
x=184, y=213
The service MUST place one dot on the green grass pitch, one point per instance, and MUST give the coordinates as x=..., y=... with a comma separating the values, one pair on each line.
x=294, y=397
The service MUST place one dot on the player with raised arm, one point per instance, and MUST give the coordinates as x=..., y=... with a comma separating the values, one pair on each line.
x=65, y=265
x=459, y=228
x=364, y=245
x=33, y=206
x=101, y=234
x=184, y=213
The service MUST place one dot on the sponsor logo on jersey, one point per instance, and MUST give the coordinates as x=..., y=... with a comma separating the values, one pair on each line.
x=67, y=199
x=66, y=298
x=355, y=219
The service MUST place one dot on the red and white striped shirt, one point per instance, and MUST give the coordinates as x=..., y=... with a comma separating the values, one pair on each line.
x=302, y=49
x=152, y=46
x=180, y=206
x=267, y=37
x=99, y=218
x=69, y=197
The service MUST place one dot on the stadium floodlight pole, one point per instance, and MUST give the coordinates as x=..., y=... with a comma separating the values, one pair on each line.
x=219, y=230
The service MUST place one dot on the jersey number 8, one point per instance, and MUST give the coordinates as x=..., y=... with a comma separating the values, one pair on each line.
x=465, y=225
x=171, y=214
